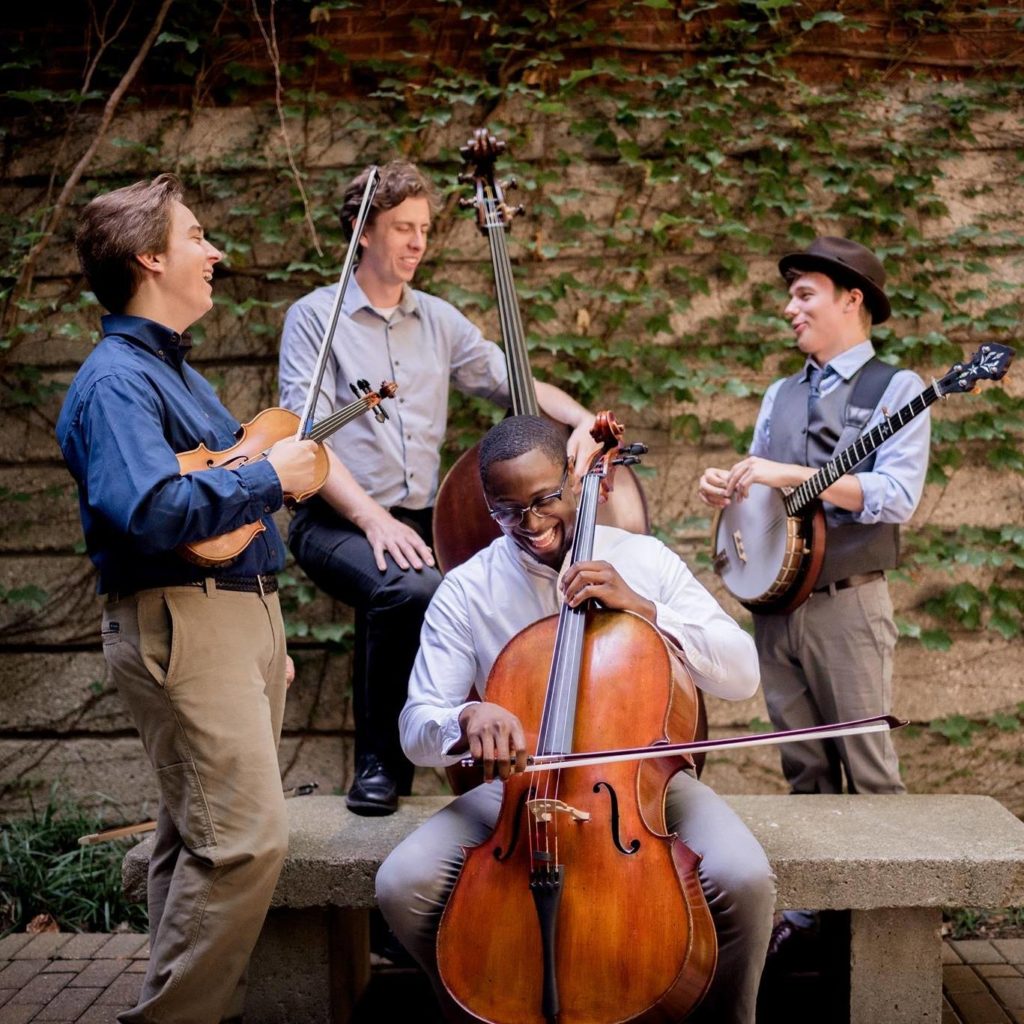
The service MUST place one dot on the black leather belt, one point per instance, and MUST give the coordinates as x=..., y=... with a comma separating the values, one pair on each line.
x=244, y=584
x=856, y=580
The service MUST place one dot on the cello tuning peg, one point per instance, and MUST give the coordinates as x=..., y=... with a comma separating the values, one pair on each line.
x=379, y=414
x=364, y=386
x=465, y=178
x=354, y=389
x=510, y=184
x=636, y=448
x=466, y=203
x=518, y=210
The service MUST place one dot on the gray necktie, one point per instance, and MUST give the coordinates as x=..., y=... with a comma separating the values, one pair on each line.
x=816, y=378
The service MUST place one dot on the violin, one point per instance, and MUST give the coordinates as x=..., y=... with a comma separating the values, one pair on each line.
x=461, y=523
x=255, y=439
x=579, y=880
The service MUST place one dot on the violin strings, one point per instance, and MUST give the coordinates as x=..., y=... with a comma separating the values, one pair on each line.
x=329, y=424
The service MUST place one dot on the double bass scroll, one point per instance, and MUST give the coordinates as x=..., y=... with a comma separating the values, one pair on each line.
x=462, y=525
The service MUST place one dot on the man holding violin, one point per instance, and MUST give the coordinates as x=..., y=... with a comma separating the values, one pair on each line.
x=478, y=608
x=198, y=658
x=366, y=538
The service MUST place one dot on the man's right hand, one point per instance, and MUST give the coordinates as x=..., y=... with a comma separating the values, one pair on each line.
x=388, y=534
x=495, y=738
x=295, y=464
x=714, y=487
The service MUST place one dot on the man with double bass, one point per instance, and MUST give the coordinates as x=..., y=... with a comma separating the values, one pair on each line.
x=478, y=608
x=198, y=656
x=831, y=658
x=365, y=540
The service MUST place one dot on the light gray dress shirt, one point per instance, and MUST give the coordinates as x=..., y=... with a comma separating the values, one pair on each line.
x=425, y=346
x=893, y=487
x=483, y=603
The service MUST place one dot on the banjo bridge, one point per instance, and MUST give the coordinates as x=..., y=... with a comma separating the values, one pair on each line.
x=737, y=539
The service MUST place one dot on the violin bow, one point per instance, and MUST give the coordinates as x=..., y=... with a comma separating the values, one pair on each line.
x=556, y=762
x=306, y=420
x=121, y=831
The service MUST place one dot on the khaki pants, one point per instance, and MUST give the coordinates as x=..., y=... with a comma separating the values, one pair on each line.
x=202, y=672
x=831, y=660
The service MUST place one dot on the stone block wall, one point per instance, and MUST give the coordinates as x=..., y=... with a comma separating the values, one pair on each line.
x=61, y=718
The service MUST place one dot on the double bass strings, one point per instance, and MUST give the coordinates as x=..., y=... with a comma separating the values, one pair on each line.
x=524, y=398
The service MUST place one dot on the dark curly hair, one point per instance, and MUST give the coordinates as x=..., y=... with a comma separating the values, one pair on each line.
x=399, y=180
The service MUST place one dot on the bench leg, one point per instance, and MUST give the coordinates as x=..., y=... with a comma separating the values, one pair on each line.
x=896, y=966
x=309, y=965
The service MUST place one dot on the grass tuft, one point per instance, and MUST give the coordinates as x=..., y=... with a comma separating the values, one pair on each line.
x=43, y=870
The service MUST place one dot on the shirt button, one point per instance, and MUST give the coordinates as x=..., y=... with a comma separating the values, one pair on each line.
x=397, y=363
x=401, y=401
x=266, y=508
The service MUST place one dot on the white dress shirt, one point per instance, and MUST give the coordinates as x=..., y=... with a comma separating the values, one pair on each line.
x=501, y=590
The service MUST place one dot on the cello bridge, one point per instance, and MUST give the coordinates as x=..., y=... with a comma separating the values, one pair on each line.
x=545, y=810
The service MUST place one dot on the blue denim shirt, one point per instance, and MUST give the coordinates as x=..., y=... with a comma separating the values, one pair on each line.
x=132, y=406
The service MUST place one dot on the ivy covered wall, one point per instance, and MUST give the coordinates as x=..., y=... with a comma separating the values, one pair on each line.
x=666, y=153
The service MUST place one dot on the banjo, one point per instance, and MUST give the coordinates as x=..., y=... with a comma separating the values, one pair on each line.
x=769, y=547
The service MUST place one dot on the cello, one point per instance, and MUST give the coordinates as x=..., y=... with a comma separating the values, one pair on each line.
x=461, y=524
x=572, y=849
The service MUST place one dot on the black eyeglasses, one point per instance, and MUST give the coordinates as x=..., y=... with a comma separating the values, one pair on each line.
x=510, y=516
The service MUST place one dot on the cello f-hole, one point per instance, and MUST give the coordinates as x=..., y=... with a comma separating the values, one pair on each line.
x=613, y=821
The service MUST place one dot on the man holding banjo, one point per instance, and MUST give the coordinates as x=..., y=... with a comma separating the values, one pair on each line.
x=831, y=657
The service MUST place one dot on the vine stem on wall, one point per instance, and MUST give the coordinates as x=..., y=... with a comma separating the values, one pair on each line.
x=56, y=215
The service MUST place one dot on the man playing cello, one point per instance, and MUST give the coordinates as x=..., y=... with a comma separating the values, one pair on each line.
x=478, y=608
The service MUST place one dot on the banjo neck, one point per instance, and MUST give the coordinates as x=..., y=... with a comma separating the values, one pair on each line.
x=853, y=455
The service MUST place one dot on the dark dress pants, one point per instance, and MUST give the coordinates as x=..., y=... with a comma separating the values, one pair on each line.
x=389, y=608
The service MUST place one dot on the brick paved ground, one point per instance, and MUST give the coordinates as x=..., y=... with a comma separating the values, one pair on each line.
x=983, y=981
x=61, y=977
x=89, y=979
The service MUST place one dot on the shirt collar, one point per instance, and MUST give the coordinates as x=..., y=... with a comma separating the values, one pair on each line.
x=847, y=363
x=148, y=333
x=355, y=299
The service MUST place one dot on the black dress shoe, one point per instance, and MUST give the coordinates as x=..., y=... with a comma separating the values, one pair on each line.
x=792, y=948
x=375, y=790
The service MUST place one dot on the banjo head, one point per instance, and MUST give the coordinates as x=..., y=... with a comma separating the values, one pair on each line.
x=751, y=543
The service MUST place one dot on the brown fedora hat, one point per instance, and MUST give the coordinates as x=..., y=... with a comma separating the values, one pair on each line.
x=847, y=263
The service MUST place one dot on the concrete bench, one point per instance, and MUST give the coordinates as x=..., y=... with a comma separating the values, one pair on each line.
x=893, y=862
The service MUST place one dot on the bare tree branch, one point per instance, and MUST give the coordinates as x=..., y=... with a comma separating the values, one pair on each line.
x=275, y=59
x=57, y=213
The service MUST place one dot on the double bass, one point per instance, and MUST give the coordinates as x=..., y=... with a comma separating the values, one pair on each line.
x=461, y=524
x=547, y=921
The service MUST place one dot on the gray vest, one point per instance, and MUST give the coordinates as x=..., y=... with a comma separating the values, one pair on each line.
x=835, y=423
